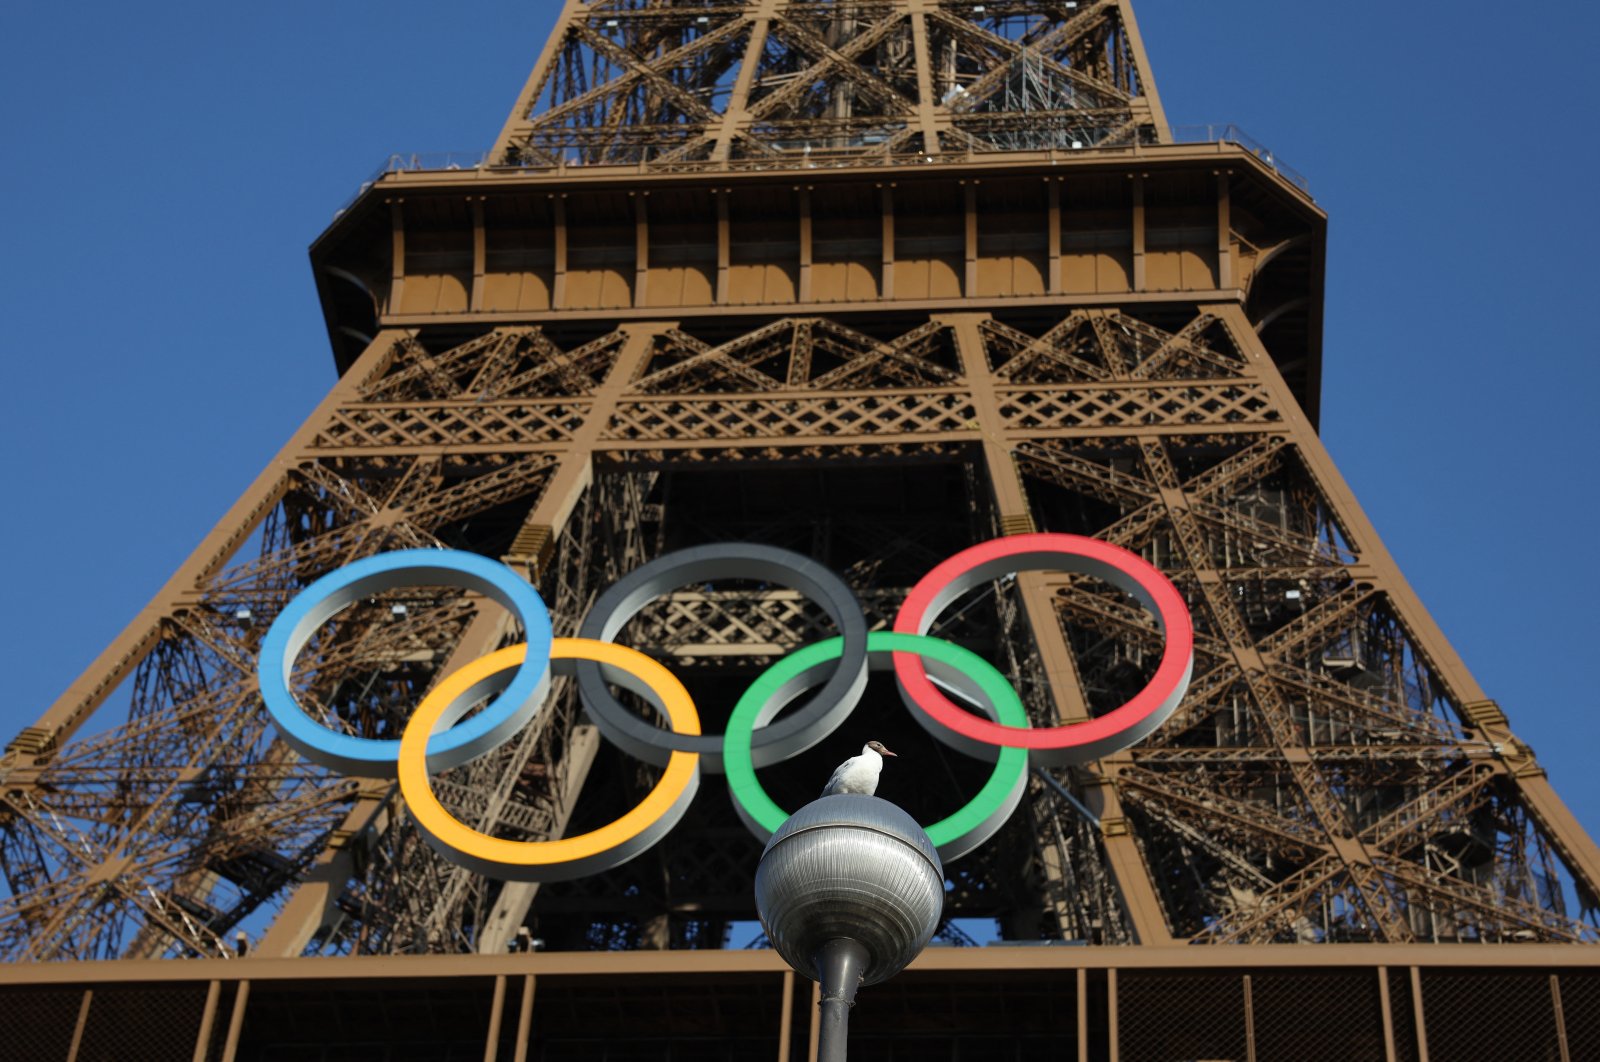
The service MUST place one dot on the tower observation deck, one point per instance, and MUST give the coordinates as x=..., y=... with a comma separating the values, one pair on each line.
x=872, y=281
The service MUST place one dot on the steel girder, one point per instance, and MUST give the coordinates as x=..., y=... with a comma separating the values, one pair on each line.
x=708, y=83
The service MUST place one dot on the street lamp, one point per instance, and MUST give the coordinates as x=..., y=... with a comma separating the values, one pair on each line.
x=849, y=890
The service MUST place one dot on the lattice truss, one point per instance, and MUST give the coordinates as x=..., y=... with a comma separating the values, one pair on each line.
x=186, y=820
x=1324, y=780
x=1317, y=783
x=764, y=81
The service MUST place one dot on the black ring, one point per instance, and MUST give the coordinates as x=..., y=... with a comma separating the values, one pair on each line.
x=796, y=732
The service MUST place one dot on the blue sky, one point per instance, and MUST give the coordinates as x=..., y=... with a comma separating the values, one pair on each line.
x=168, y=164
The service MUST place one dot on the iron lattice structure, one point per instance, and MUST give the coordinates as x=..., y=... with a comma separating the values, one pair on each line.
x=874, y=281
x=750, y=85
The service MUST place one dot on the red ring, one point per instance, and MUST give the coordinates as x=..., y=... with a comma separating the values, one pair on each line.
x=1118, y=729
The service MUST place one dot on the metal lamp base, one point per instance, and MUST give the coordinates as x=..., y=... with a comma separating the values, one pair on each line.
x=841, y=964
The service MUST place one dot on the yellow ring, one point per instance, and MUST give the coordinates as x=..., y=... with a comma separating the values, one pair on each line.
x=567, y=857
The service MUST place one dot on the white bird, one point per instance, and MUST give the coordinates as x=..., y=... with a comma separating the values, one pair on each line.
x=858, y=774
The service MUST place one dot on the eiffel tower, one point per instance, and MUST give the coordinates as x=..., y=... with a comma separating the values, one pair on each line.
x=871, y=280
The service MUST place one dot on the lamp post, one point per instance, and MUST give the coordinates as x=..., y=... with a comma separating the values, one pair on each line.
x=849, y=890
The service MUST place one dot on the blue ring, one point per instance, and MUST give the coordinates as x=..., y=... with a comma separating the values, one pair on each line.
x=371, y=757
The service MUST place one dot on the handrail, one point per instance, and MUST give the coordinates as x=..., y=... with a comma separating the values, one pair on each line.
x=1232, y=134
x=445, y=161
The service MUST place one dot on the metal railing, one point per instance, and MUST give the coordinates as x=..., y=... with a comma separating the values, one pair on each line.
x=429, y=160
x=1311, y=1003
x=442, y=161
x=1232, y=134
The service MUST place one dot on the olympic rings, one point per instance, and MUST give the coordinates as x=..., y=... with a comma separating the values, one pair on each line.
x=371, y=757
x=1061, y=745
x=958, y=667
x=569, y=857
x=730, y=560
x=516, y=679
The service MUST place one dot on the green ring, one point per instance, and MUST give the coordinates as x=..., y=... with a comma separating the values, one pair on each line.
x=954, y=836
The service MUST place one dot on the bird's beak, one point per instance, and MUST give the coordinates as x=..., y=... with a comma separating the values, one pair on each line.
x=886, y=752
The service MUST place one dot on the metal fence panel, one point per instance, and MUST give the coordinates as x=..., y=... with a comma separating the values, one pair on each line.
x=1404, y=1016
x=39, y=1022
x=1317, y=1016
x=1165, y=1017
x=396, y=1021
x=1580, y=1011
x=1489, y=1014
x=152, y=1023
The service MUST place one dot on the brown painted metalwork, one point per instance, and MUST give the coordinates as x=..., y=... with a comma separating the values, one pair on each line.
x=873, y=281
x=1383, y=1003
